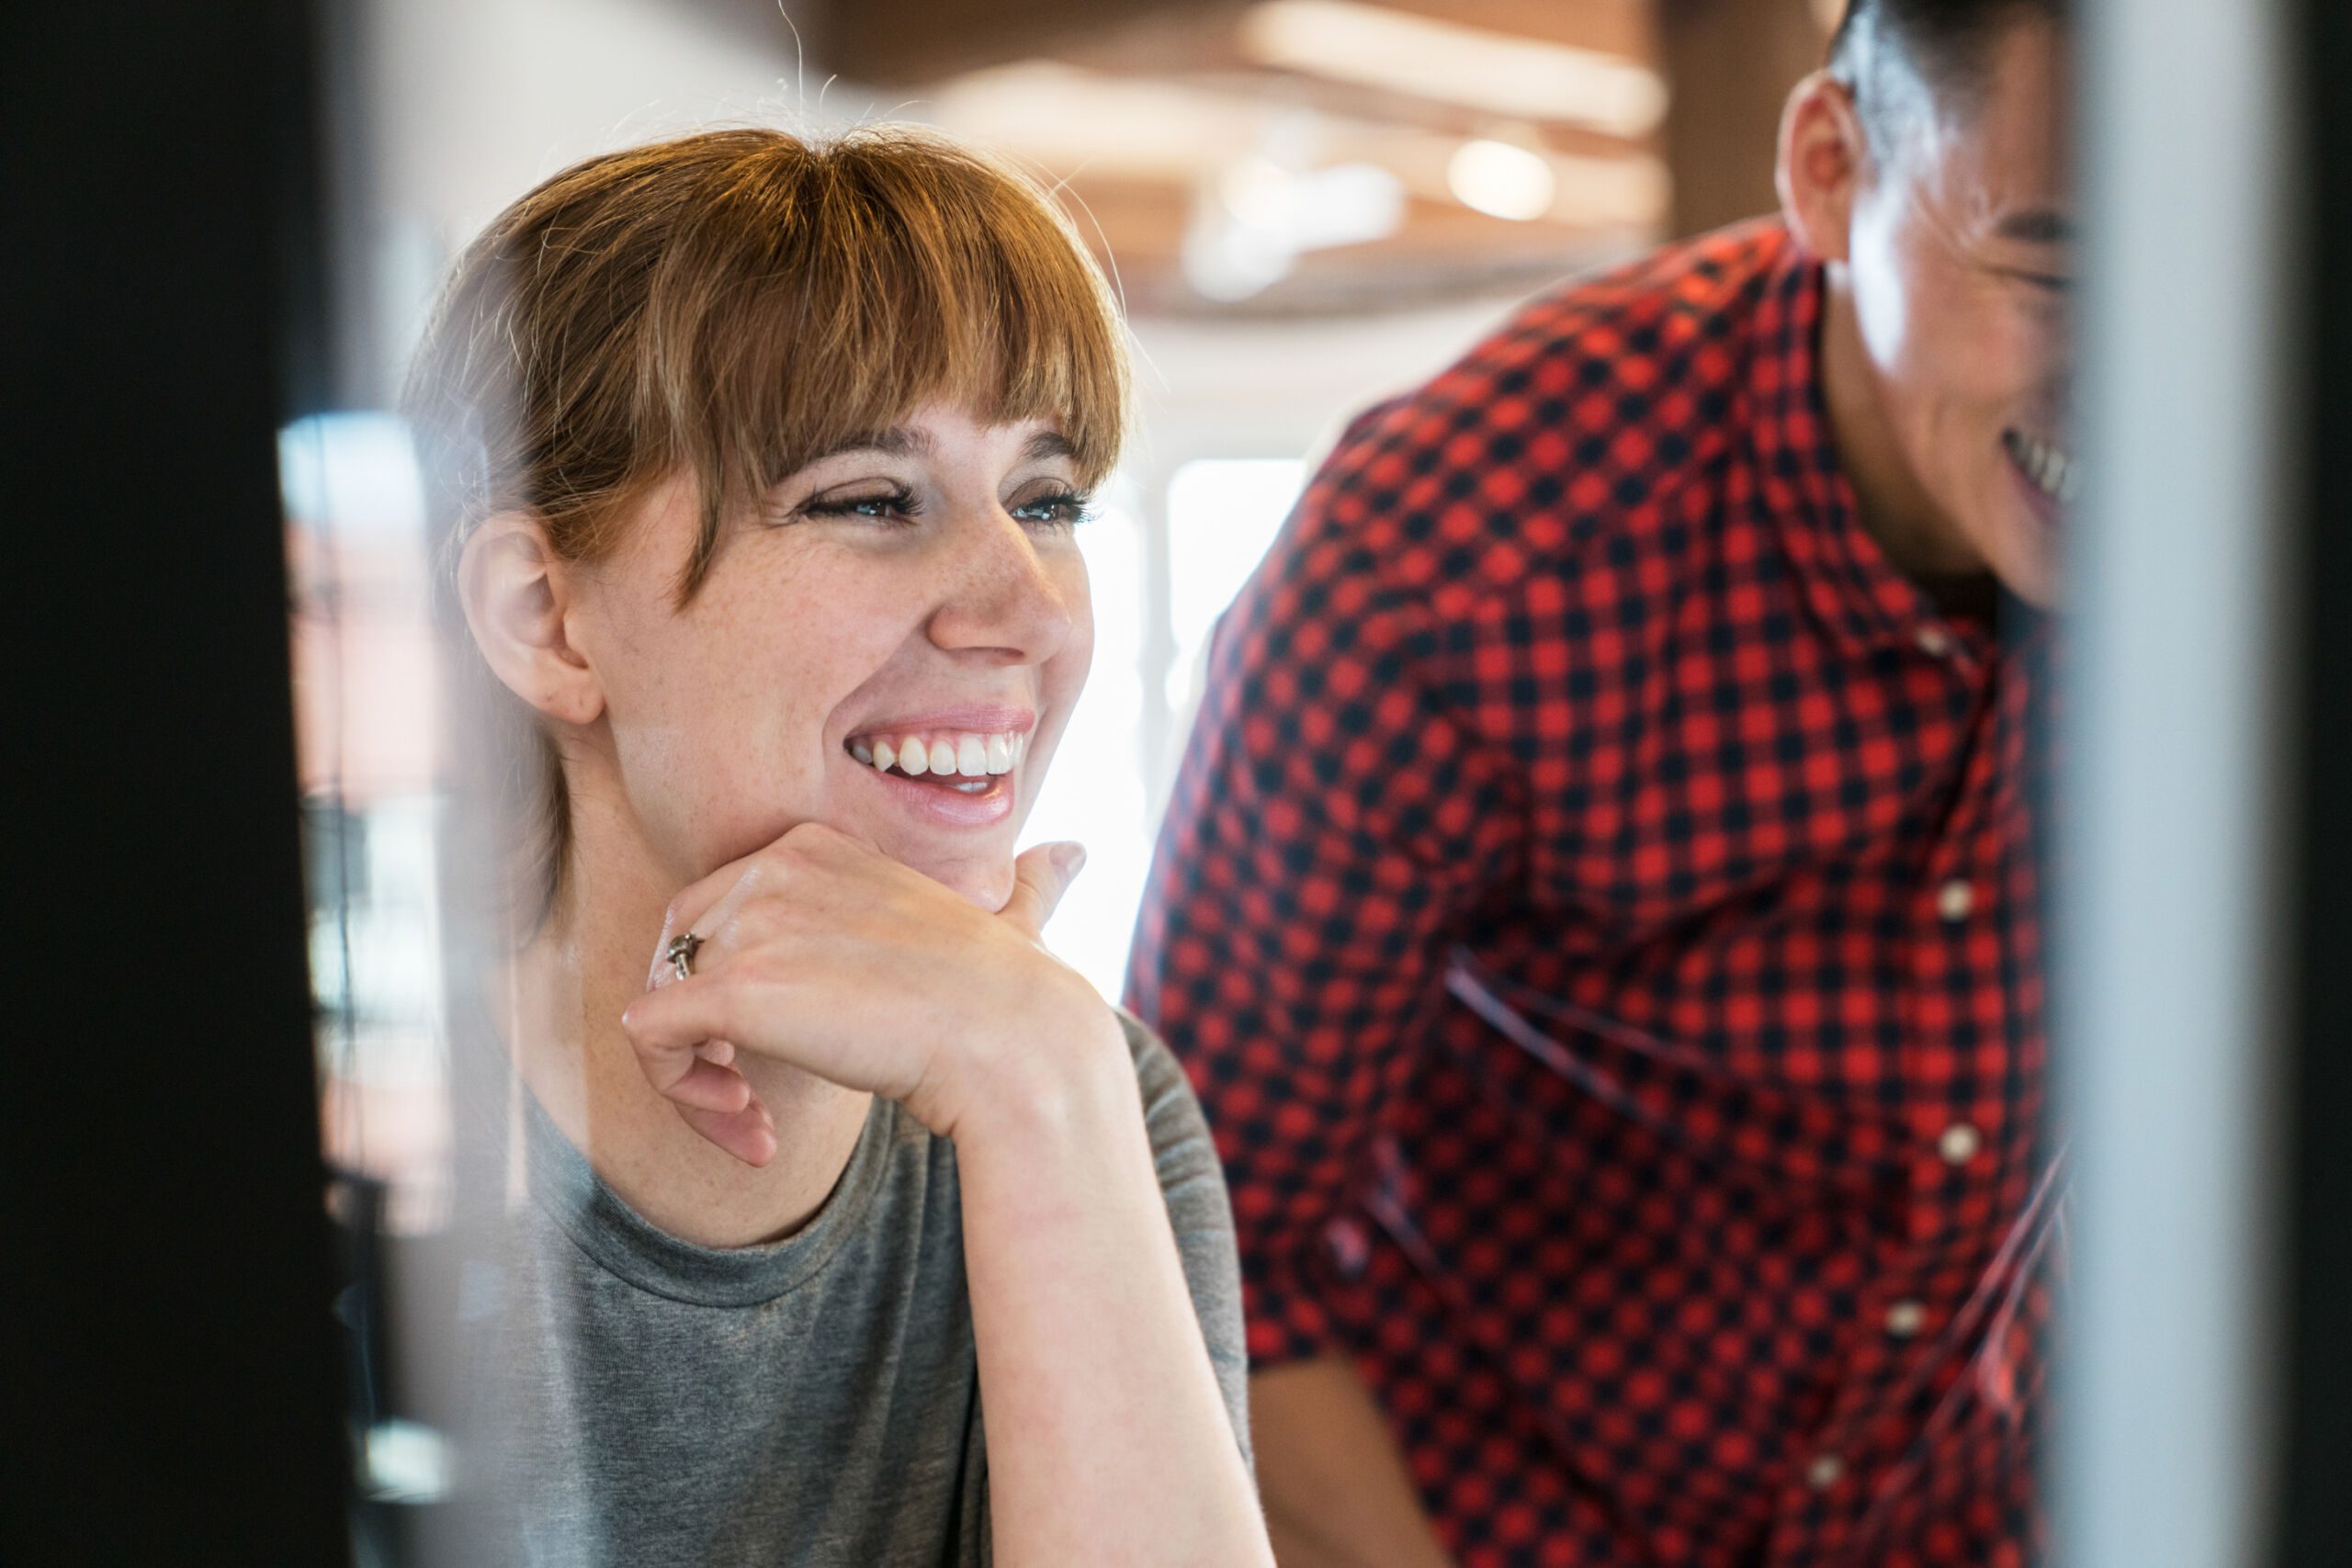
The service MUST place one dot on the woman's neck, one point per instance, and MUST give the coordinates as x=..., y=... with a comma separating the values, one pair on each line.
x=569, y=986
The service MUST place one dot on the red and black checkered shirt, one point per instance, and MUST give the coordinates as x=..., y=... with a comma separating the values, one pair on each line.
x=1599, y=915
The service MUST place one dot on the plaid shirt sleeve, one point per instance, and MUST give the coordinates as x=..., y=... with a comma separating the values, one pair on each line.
x=1333, y=825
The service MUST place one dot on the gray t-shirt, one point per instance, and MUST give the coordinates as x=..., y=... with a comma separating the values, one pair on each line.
x=814, y=1400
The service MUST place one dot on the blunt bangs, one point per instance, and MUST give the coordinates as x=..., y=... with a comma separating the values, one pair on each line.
x=813, y=297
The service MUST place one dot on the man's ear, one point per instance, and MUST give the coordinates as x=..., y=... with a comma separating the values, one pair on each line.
x=517, y=592
x=1824, y=160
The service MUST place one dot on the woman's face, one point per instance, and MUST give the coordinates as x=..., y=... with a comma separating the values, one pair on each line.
x=891, y=646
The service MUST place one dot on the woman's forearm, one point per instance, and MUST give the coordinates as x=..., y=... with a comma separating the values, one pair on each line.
x=1108, y=1440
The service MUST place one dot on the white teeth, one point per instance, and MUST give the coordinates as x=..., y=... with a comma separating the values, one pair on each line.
x=2054, y=473
x=970, y=756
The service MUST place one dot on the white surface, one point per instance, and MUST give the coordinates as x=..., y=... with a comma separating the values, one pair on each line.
x=2167, y=990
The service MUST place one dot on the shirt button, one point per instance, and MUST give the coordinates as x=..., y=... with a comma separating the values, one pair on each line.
x=1905, y=1319
x=1955, y=900
x=1960, y=1144
x=1934, y=641
x=1824, y=1471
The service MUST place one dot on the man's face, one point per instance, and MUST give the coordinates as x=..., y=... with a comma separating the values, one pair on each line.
x=1961, y=267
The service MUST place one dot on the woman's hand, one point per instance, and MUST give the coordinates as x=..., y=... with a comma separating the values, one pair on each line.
x=821, y=952
x=1107, y=1440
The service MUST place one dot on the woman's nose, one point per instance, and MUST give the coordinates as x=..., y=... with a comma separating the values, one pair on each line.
x=1002, y=596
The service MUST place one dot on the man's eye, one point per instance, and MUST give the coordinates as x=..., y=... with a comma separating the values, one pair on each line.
x=1063, y=509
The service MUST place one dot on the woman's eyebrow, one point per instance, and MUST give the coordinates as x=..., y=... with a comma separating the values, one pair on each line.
x=899, y=441
x=904, y=440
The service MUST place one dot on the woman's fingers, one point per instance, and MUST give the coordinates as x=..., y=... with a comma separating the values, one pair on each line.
x=749, y=1134
x=675, y=1027
x=704, y=908
x=708, y=1086
x=700, y=911
x=1040, y=877
x=699, y=1072
x=713, y=1097
x=667, y=1023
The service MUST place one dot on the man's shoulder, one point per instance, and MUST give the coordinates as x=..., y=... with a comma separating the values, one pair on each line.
x=1581, y=414
x=1627, y=347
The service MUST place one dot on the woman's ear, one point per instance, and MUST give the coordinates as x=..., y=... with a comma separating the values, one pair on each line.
x=517, y=594
x=1824, y=159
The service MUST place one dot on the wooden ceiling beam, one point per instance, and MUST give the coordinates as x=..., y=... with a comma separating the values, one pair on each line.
x=1729, y=65
x=902, y=42
x=1622, y=28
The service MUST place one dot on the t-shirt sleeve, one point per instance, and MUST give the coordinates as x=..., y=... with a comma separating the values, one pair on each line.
x=1192, y=1183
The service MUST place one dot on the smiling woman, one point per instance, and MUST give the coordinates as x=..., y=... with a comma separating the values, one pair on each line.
x=759, y=462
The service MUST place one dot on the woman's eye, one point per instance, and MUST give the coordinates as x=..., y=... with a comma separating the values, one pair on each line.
x=890, y=506
x=1063, y=509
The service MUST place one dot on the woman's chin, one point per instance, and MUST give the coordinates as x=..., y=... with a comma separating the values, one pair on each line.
x=982, y=875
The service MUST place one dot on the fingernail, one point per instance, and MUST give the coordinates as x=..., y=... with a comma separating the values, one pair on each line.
x=1068, y=858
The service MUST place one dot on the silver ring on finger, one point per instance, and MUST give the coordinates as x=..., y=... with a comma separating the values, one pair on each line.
x=680, y=953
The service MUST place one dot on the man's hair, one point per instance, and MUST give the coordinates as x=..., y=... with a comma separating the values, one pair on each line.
x=1902, y=58
x=730, y=306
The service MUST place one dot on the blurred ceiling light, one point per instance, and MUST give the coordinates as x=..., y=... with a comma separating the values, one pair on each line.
x=1424, y=57
x=1499, y=178
x=1315, y=210
x=1256, y=218
x=1230, y=262
x=1073, y=120
x=1073, y=124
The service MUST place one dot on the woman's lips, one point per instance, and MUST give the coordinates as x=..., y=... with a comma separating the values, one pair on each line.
x=951, y=798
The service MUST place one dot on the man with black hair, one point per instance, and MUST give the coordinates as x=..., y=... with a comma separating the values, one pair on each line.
x=1599, y=907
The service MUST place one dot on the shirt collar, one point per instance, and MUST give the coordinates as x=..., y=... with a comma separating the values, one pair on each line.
x=1857, y=594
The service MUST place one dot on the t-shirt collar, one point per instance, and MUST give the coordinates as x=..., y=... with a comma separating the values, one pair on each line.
x=602, y=1224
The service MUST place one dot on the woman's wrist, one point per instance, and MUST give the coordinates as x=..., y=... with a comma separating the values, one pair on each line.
x=1064, y=1074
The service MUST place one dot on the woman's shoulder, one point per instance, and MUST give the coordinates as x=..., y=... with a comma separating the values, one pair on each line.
x=1155, y=1063
x=1171, y=1109
x=1190, y=1177
x=1193, y=1182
